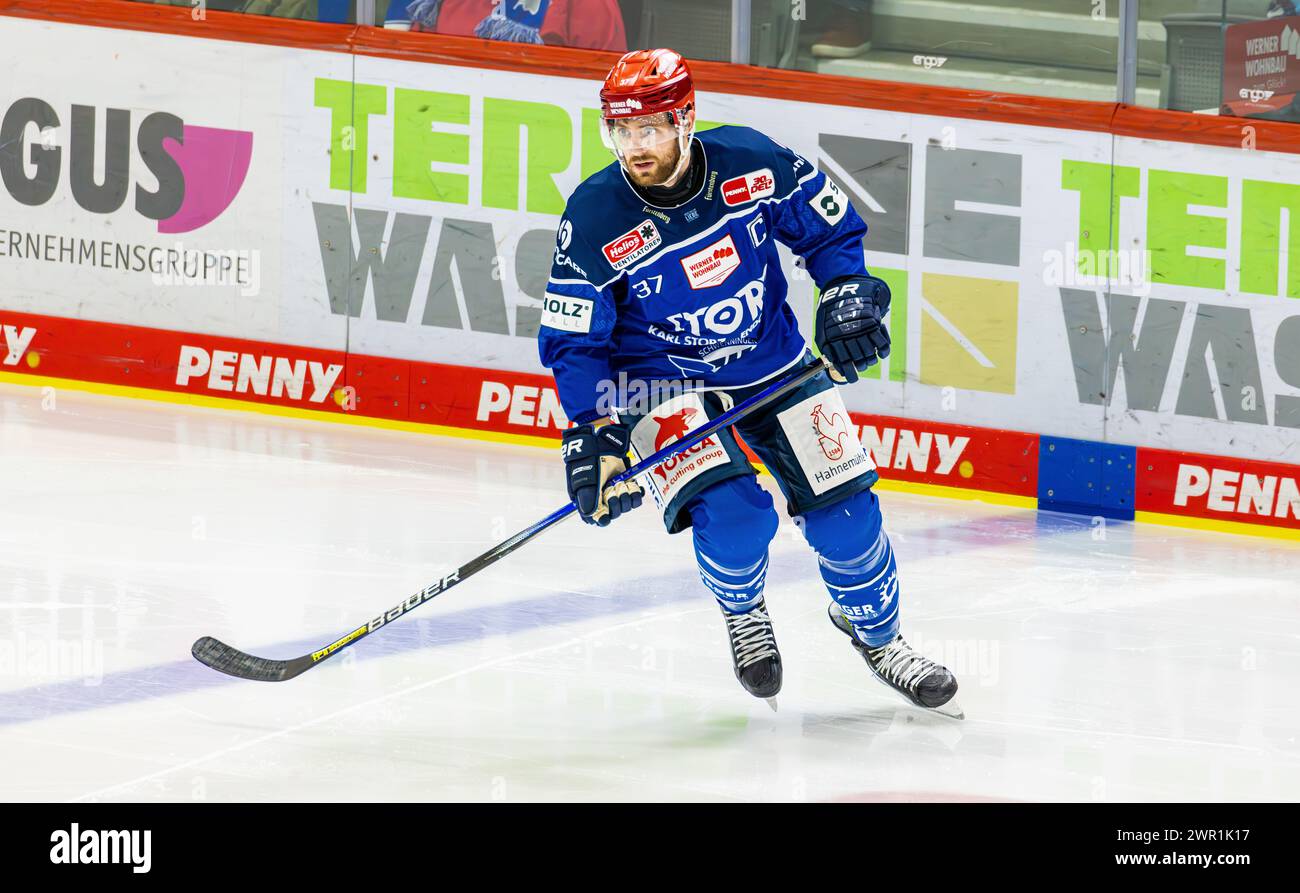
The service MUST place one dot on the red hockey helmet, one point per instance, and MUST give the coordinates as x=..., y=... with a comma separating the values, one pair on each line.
x=648, y=99
x=646, y=82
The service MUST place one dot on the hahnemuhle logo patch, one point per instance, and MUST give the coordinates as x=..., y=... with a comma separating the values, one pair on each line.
x=833, y=432
x=824, y=443
x=198, y=170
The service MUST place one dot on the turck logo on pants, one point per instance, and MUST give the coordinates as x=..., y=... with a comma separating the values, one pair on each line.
x=199, y=170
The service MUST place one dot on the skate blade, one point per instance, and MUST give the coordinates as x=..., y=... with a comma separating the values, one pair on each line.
x=771, y=702
x=952, y=710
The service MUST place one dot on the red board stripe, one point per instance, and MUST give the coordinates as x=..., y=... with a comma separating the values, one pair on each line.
x=1218, y=488
x=1221, y=488
x=512, y=403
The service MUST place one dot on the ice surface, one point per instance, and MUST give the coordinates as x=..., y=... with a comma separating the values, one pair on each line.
x=1097, y=663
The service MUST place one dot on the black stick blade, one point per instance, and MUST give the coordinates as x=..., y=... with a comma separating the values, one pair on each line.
x=233, y=662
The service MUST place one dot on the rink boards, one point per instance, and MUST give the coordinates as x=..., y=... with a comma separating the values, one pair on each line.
x=1093, y=305
x=1012, y=467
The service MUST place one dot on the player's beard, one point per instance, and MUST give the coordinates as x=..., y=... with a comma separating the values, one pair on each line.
x=659, y=174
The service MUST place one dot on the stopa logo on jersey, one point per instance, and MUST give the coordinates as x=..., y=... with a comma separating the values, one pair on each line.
x=748, y=187
x=632, y=245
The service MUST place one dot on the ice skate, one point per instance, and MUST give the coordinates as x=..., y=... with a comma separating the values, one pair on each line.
x=753, y=651
x=913, y=675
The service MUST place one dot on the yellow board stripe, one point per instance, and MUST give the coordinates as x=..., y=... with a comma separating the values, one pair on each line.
x=1218, y=526
x=295, y=412
x=919, y=489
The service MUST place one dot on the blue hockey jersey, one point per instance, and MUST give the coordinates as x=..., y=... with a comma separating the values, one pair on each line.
x=693, y=292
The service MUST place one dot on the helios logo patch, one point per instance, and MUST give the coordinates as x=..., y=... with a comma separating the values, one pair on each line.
x=712, y=266
x=632, y=245
x=566, y=313
x=748, y=187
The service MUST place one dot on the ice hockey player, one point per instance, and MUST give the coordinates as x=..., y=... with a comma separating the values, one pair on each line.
x=667, y=305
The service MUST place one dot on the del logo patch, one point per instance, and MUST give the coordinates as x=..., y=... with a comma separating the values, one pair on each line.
x=824, y=442
x=712, y=266
x=632, y=245
x=748, y=187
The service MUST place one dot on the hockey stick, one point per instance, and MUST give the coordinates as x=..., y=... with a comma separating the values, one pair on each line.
x=227, y=659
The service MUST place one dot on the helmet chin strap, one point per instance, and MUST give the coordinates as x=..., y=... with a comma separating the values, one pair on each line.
x=683, y=159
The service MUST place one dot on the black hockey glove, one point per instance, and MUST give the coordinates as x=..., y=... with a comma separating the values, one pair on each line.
x=848, y=330
x=591, y=457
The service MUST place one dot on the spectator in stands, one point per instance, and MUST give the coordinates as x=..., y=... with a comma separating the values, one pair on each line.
x=590, y=24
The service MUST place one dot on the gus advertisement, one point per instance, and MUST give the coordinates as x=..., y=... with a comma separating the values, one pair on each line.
x=394, y=222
